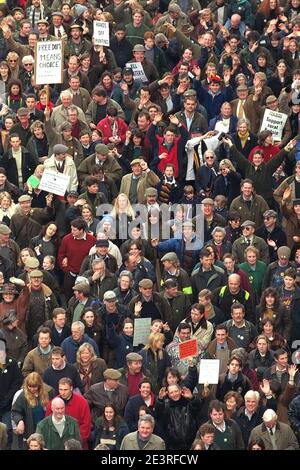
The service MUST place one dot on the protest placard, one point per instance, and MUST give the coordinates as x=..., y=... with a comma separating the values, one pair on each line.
x=138, y=71
x=48, y=62
x=274, y=122
x=209, y=371
x=55, y=183
x=141, y=330
x=188, y=349
x=101, y=33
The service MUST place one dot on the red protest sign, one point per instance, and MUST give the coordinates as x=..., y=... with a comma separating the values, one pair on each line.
x=188, y=348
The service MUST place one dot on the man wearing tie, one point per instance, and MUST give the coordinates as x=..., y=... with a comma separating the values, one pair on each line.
x=249, y=238
x=57, y=28
x=275, y=434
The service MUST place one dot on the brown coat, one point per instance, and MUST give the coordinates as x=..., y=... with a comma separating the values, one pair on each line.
x=98, y=367
x=290, y=224
x=147, y=180
x=111, y=168
x=35, y=362
x=250, y=113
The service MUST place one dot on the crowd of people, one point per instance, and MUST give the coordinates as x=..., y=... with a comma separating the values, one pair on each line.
x=180, y=145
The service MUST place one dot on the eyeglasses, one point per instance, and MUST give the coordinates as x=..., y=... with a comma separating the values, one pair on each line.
x=12, y=60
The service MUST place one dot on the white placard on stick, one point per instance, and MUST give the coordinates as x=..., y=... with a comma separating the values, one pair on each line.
x=274, y=122
x=55, y=183
x=138, y=71
x=141, y=330
x=101, y=33
x=209, y=371
x=48, y=62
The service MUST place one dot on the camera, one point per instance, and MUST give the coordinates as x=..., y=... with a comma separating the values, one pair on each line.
x=223, y=134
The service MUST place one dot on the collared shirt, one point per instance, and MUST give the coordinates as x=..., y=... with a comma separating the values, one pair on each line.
x=82, y=238
x=220, y=427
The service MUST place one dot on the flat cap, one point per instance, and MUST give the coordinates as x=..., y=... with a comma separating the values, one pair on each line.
x=284, y=252
x=57, y=13
x=139, y=48
x=172, y=282
x=135, y=161
x=242, y=88
x=171, y=256
x=4, y=229
x=112, y=374
x=133, y=357
x=102, y=148
x=127, y=71
x=146, y=283
x=271, y=99
x=189, y=92
x=102, y=243
x=151, y=192
x=60, y=148
x=207, y=200
x=24, y=198
x=270, y=213
x=248, y=223
x=32, y=263
x=109, y=295
x=188, y=223
x=73, y=193
x=43, y=21
x=8, y=288
x=36, y=273
x=10, y=317
x=82, y=287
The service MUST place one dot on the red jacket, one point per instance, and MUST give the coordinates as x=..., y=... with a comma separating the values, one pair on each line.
x=77, y=407
x=105, y=127
x=172, y=155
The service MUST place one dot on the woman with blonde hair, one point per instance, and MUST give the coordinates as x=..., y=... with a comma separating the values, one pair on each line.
x=35, y=442
x=7, y=207
x=29, y=407
x=156, y=359
x=123, y=214
x=227, y=182
x=89, y=366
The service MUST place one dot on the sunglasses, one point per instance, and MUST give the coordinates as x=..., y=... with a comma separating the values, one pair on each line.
x=12, y=60
x=28, y=64
x=209, y=158
x=247, y=228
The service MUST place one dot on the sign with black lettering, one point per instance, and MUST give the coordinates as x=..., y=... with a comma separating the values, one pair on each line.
x=138, y=71
x=48, y=62
x=101, y=33
x=274, y=122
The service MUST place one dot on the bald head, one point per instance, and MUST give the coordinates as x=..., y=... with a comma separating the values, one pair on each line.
x=234, y=282
x=58, y=408
x=235, y=20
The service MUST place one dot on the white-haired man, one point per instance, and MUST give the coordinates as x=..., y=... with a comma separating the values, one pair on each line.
x=275, y=434
x=58, y=428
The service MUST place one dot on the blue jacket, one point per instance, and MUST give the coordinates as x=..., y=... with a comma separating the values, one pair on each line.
x=178, y=246
x=71, y=347
x=131, y=413
x=121, y=343
x=211, y=103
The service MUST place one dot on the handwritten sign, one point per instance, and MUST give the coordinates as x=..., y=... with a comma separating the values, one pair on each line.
x=141, y=330
x=274, y=122
x=101, y=33
x=48, y=62
x=55, y=183
x=188, y=349
x=138, y=71
x=209, y=371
